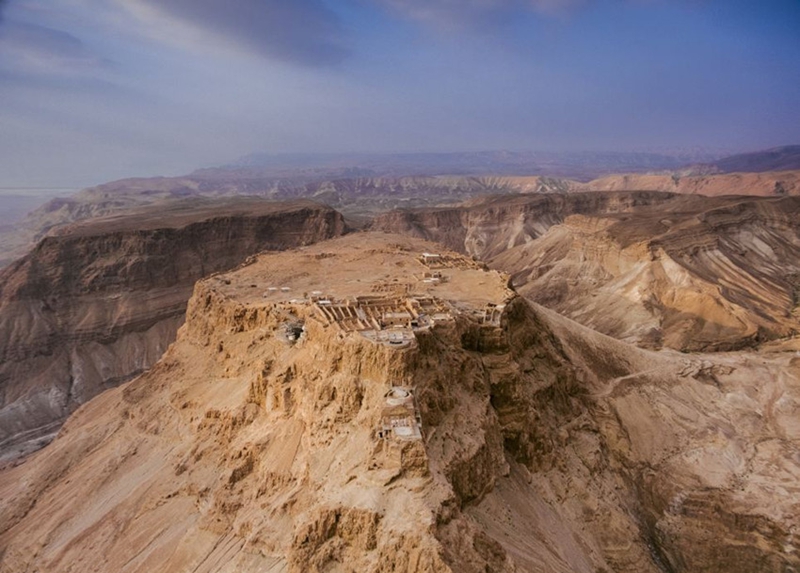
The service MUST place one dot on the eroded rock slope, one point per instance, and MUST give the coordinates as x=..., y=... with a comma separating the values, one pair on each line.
x=367, y=408
x=364, y=196
x=99, y=302
x=657, y=269
x=355, y=197
x=765, y=184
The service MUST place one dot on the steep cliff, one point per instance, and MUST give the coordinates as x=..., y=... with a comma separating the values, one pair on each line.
x=353, y=196
x=688, y=272
x=283, y=432
x=99, y=302
x=359, y=197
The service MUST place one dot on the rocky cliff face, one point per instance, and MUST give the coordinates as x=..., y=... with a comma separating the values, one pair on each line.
x=353, y=196
x=362, y=197
x=691, y=273
x=99, y=303
x=487, y=226
x=268, y=438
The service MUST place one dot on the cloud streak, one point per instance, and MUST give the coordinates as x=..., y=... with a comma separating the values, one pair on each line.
x=100, y=89
x=34, y=49
x=302, y=32
x=461, y=13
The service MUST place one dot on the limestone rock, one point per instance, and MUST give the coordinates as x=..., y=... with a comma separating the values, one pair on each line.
x=543, y=445
x=100, y=302
x=656, y=269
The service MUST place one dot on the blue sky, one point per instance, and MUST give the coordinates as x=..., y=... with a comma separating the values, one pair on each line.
x=92, y=90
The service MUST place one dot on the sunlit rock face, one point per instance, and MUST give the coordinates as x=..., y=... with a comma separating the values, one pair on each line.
x=277, y=434
x=687, y=272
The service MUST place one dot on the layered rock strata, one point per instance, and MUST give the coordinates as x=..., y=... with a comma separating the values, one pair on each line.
x=691, y=273
x=99, y=302
x=767, y=184
x=264, y=440
x=362, y=197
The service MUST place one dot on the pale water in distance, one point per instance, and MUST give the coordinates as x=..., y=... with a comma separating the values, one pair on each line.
x=16, y=202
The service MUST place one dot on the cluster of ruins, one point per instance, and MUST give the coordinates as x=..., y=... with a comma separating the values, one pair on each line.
x=387, y=319
x=391, y=314
x=393, y=311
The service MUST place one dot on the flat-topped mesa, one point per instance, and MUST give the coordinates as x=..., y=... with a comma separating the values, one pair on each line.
x=275, y=436
x=410, y=294
x=301, y=348
x=347, y=330
x=317, y=305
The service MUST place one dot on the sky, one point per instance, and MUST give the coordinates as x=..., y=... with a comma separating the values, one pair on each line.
x=95, y=90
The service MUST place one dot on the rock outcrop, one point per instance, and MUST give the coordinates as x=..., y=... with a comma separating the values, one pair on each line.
x=657, y=269
x=99, y=302
x=281, y=433
x=355, y=197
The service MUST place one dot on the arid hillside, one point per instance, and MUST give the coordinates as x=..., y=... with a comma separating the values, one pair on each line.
x=99, y=302
x=357, y=405
x=359, y=198
x=355, y=197
x=656, y=269
x=769, y=184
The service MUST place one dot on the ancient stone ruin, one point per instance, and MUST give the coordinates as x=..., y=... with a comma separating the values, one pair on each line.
x=400, y=418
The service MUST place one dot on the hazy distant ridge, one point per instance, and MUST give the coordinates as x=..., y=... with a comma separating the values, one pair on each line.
x=575, y=165
x=785, y=158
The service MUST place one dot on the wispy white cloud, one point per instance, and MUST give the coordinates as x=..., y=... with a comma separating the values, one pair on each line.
x=302, y=32
x=96, y=89
x=461, y=13
x=38, y=50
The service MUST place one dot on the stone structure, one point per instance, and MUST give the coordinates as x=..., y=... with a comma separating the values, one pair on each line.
x=400, y=418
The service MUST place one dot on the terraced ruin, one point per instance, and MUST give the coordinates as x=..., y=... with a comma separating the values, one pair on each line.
x=393, y=310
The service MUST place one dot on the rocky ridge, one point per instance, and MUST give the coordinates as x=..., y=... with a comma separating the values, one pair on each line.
x=657, y=269
x=99, y=302
x=255, y=443
x=362, y=197
x=356, y=197
x=776, y=159
x=764, y=184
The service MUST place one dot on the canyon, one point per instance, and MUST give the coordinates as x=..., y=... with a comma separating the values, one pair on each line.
x=361, y=198
x=258, y=442
x=399, y=286
x=98, y=302
x=558, y=379
x=692, y=273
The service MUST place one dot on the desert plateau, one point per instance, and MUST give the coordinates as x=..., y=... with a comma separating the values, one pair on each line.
x=399, y=286
x=548, y=380
x=276, y=429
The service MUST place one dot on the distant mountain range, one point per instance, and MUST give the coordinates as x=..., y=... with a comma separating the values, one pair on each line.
x=361, y=185
x=784, y=158
x=579, y=166
x=582, y=166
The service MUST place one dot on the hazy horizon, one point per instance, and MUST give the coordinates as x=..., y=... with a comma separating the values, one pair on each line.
x=97, y=90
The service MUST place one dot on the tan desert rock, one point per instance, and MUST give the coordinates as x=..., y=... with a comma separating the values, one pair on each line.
x=99, y=302
x=656, y=269
x=370, y=407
